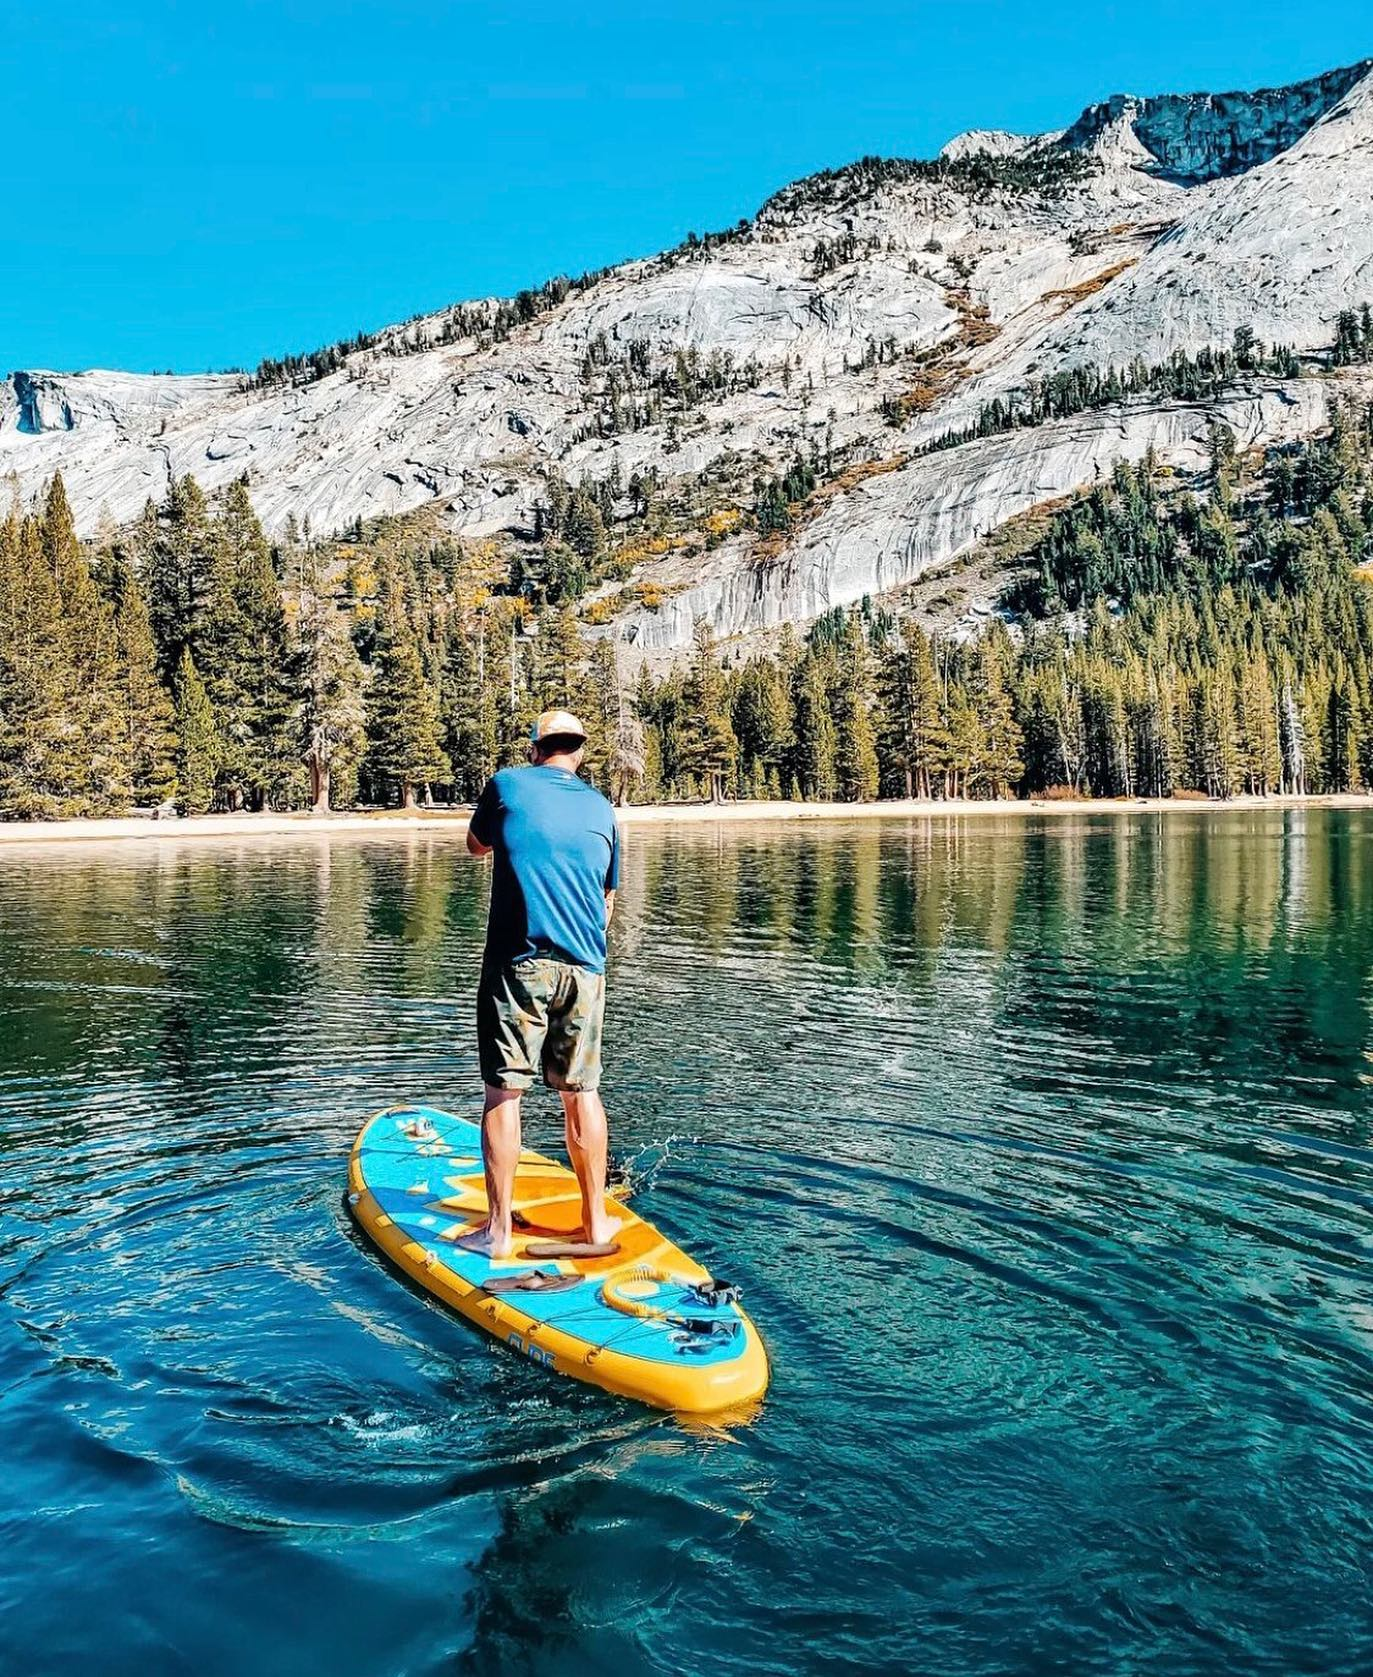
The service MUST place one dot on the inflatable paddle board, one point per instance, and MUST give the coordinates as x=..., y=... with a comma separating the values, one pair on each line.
x=646, y=1322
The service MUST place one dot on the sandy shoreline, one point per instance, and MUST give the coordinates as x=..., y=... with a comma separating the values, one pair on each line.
x=393, y=823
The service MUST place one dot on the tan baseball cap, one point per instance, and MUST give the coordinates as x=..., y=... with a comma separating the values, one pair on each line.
x=557, y=724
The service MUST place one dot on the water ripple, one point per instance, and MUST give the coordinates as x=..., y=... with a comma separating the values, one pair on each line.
x=1042, y=1149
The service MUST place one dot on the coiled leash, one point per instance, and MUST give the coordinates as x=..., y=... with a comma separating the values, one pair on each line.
x=694, y=1334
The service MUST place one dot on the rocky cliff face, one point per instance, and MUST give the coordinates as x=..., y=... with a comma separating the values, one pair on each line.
x=41, y=404
x=862, y=314
x=1191, y=138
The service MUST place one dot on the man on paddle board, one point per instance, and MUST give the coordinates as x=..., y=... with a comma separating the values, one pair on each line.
x=555, y=869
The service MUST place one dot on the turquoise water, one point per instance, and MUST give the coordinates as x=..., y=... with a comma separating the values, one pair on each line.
x=1040, y=1146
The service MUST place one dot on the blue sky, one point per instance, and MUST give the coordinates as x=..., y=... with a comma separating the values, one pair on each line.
x=199, y=183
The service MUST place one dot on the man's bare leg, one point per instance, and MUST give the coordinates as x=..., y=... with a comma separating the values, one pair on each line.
x=501, y=1159
x=585, y=1129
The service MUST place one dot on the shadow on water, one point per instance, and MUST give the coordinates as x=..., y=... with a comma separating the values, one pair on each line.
x=1040, y=1145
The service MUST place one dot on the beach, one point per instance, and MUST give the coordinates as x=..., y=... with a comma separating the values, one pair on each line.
x=392, y=823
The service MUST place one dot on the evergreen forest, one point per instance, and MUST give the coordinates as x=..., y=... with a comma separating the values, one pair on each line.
x=1159, y=636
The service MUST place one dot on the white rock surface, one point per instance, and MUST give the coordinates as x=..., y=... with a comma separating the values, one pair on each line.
x=1283, y=248
x=991, y=142
x=891, y=530
x=1201, y=213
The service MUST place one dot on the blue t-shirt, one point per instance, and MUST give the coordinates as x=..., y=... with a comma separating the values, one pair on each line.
x=556, y=854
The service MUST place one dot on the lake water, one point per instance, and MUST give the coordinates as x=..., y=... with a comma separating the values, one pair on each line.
x=1040, y=1146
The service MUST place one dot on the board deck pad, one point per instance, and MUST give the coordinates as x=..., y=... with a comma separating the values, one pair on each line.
x=631, y=1325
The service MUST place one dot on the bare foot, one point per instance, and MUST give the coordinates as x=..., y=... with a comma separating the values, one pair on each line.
x=487, y=1242
x=600, y=1231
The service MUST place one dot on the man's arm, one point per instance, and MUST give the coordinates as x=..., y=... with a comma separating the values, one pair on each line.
x=612, y=872
x=482, y=827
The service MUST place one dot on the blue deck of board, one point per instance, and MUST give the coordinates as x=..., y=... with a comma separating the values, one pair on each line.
x=393, y=1165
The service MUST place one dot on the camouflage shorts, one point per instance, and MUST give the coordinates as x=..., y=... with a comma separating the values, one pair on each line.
x=540, y=1015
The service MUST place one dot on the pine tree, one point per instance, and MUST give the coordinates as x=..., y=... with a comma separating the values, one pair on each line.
x=561, y=661
x=645, y=709
x=517, y=689
x=404, y=728
x=62, y=752
x=1036, y=693
x=1260, y=749
x=1344, y=731
x=762, y=717
x=999, y=764
x=1151, y=733
x=855, y=749
x=469, y=706
x=584, y=526
x=1108, y=757
x=1052, y=724
x=197, y=758
x=1314, y=711
x=905, y=662
x=708, y=747
x=1211, y=737
x=331, y=736
x=245, y=659
x=616, y=745
x=928, y=725
x=96, y=768
x=178, y=564
x=35, y=679
x=964, y=757
x=814, y=765
x=145, y=711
